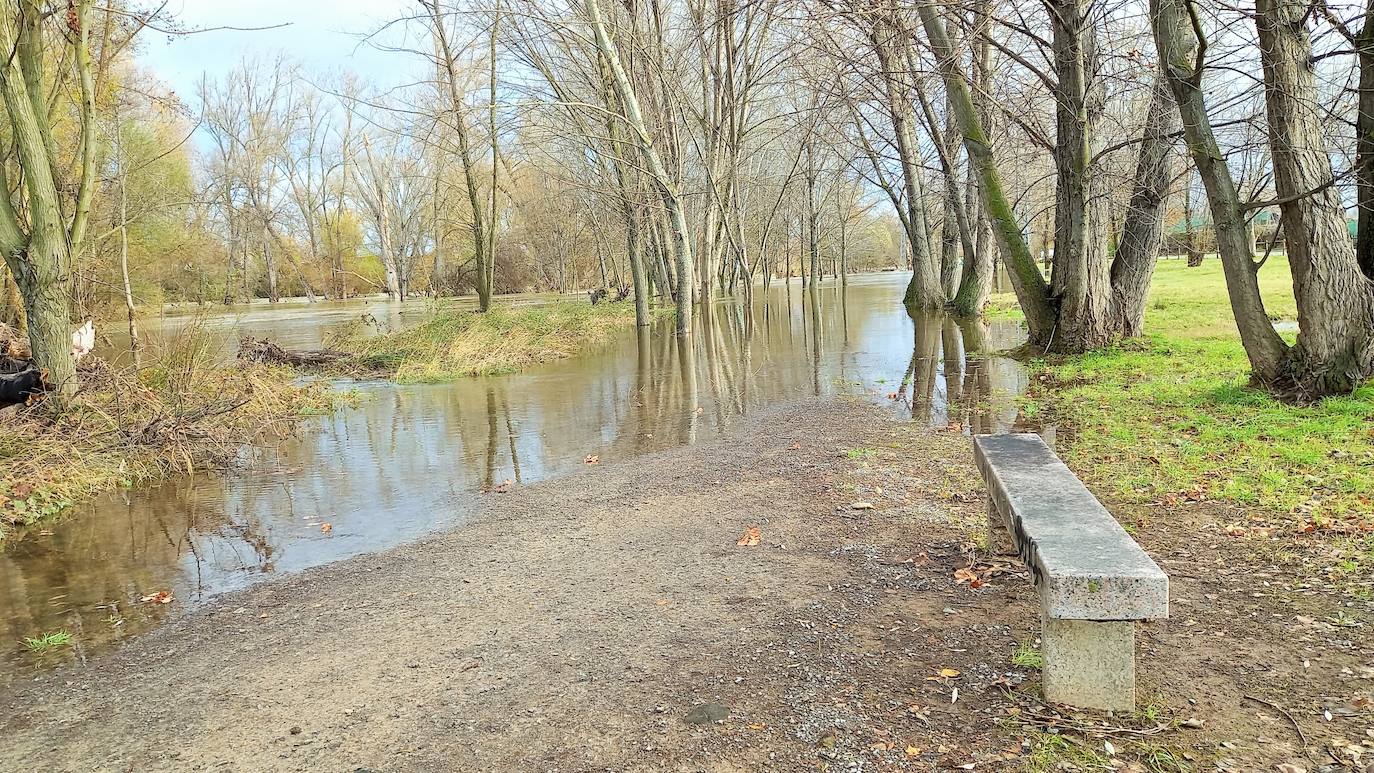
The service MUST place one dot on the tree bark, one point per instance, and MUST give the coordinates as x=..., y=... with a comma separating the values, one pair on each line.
x=1143, y=230
x=1079, y=281
x=1335, y=348
x=1364, y=145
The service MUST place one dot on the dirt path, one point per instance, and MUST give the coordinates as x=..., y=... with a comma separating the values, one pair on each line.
x=604, y=620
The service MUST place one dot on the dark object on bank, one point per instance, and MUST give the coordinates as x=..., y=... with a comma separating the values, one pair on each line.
x=263, y=350
x=596, y=295
x=622, y=294
x=19, y=386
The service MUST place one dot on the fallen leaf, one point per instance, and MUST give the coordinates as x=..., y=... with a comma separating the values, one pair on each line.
x=913, y=751
x=326, y=527
x=861, y=506
x=751, y=537
x=592, y=459
x=502, y=487
x=160, y=597
x=794, y=447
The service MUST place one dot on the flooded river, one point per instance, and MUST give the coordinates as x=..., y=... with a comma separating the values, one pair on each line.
x=412, y=459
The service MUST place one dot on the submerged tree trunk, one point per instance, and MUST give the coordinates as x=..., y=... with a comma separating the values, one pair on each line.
x=979, y=270
x=1335, y=348
x=658, y=173
x=924, y=290
x=1026, y=279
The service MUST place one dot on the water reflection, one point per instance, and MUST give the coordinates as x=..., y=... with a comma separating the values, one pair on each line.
x=413, y=459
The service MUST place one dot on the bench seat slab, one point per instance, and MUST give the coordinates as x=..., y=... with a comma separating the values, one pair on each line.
x=1084, y=564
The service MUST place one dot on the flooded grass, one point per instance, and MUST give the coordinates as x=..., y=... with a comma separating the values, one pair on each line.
x=48, y=641
x=452, y=344
x=181, y=412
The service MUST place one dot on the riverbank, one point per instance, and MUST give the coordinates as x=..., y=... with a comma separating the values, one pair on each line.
x=453, y=343
x=181, y=412
x=609, y=619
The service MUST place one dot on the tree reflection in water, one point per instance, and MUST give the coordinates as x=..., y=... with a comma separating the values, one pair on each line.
x=411, y=459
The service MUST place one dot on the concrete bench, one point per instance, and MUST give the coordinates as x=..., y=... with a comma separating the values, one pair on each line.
x=1094, y=580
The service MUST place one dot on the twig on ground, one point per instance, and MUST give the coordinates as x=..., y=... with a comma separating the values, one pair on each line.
x=1296, y=727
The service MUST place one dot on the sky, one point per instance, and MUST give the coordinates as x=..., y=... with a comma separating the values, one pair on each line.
x=321, y=34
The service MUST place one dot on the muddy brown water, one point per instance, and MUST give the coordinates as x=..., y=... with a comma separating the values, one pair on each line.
x=410, y=458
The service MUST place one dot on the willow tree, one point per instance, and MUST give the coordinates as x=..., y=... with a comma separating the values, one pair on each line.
x=39, y=232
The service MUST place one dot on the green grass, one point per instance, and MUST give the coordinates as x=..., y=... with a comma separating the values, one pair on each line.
x=451, y=344
x=1171, y=417
x=1027, y=656
x=48, y=641
x=1052, y=753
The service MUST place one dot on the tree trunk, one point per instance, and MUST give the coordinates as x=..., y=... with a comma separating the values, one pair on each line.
x=465, y=157
x=672, y=201
x=1079, y=281
x=1178, y=45
x=1335, y=348
x=923, y=292
x=135, y=349
x=1026, y=279
x=1364, y=146
x=1138, y=250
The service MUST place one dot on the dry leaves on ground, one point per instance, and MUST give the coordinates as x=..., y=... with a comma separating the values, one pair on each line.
x=751, y=537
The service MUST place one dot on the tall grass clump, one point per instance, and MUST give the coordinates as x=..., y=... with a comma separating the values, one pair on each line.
x=188, y=408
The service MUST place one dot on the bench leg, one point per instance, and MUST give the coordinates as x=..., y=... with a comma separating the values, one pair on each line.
x=1089, y=664
x=999, y=539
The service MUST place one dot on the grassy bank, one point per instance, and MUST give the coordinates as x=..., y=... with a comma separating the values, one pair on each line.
x=1171, y=417
x=451, y=344
x=185, y=411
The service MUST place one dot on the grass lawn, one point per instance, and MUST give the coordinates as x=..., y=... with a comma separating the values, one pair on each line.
x=1171, y=417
